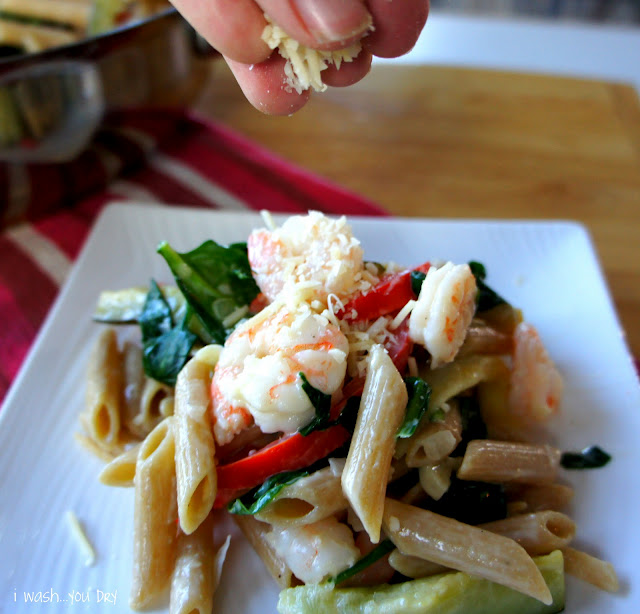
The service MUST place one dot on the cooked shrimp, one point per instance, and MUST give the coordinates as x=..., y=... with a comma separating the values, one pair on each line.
x=312, y=248
x=536, y=384
x=444, y=310
x=315, y=551
x=257, y=375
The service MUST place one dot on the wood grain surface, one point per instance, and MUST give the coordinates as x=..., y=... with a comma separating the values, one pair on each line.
x=425, y=141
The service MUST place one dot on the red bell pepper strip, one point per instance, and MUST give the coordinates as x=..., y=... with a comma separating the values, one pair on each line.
x=391, y=294
x=400, y=346
x=288, y=453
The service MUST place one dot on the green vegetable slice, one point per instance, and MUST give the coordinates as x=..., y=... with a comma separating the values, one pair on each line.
x=452, y=593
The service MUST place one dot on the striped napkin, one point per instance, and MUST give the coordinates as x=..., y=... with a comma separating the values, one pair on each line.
x=144, y=156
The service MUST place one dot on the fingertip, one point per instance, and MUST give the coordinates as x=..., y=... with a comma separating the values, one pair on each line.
x=265, y=86
x=397, y=26
x=349, y=72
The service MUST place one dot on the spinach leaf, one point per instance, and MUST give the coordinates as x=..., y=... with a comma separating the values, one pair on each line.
x=473, y=426
x=216, y=281
x=472, y=502
x=592, y=457
x=384, y=547
x=322, y=404
x=258, y=498
x=486, y=298
x=418, y=404
x=165, y=347
x=417, y=277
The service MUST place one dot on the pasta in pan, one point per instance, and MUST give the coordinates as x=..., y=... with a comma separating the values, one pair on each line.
x=369, y=428
x=30, y=26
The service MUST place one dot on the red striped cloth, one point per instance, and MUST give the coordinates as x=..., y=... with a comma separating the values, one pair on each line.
x=152, y=156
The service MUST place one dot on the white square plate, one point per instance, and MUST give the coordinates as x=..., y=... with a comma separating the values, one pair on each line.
x=549, y=269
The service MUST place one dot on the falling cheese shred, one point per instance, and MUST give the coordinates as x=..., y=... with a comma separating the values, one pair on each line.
x=81, y=538
x=303, y=64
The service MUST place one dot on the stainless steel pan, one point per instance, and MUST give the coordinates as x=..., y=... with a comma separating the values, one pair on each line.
x=51, y=102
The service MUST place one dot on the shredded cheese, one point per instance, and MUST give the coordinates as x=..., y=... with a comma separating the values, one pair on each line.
x=81, y=538
x=303, y=64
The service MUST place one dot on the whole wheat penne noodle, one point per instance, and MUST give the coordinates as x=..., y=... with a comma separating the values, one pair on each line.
x=455, y=377
x=537, y=533
x=67, y=12
x=590, y=569
x=484, y=339
x=104, y=389
x=307, y=500
x=150, y=414
x=445, y=541
x=382, y=409
x=196, y=572
x=155, y=511
x=415, y=495
x=538, y=498
x=413, y=566
x=195, y=447
x=488, y=460
x=434, y=441
x=33, y=38
x=255, y=532
x=449, y=381
x=92, y=447
x=134, y=380
x=121, y=471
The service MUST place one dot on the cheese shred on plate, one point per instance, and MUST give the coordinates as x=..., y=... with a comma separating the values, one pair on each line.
x=80, y=537
x=304, y=65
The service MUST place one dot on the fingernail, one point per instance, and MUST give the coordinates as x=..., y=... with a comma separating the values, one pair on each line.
x=331, y=21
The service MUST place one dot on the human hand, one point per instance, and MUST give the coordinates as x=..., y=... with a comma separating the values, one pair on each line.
x=234, y=28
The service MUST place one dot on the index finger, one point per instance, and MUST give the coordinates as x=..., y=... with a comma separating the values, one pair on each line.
x=233, y=27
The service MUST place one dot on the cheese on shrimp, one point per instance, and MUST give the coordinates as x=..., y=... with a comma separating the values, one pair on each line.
x=319, y=252
x=257, y=376
x=440, y=319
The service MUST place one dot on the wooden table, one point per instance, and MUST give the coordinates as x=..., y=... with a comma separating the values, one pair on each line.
x=442, y=142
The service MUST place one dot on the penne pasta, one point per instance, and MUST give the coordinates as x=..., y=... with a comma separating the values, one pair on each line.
x=307, y=500
x=434, y=441
x=76, y=14
x=156, y=403
x=121, y=471
x=196, y=573
x=134, y=380
x=537, y=533
x=195, y=448
x=590, y=569
x=155, y=511
x=538, y=498
x=255, y=533
x=503, y=461
x=483, y=339
x=366, y=472
x=104, y=389
x=451, y=379
x=446, y=541
x=414, y=566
